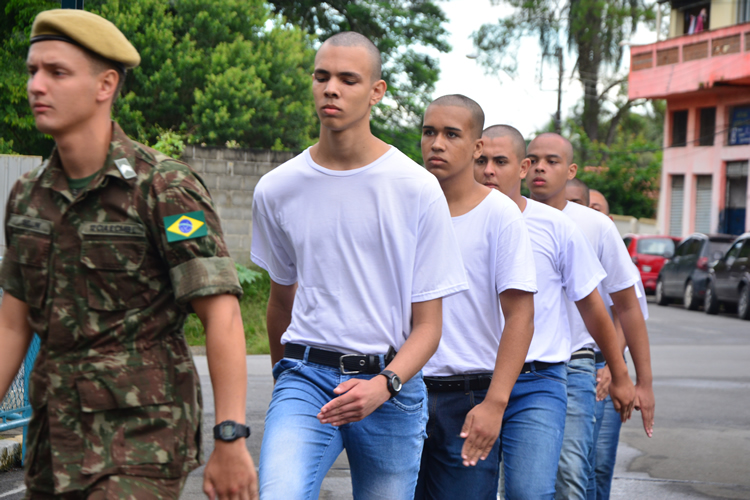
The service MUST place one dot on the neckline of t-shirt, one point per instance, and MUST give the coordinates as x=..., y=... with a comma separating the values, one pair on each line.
x=346, y=173
x=459, y=217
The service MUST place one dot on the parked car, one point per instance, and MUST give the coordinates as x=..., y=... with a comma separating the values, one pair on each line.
x=684, y=275
x=729, y=279
x=649, y=251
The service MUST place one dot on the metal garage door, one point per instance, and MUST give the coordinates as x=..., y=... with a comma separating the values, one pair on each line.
x=11, y=168
x=675, y=206
x=703, y=203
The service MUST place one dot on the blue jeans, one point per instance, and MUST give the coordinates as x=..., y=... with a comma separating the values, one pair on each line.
x=383, y=449
x=606, y=439
x=529, y=442
x=578, y=442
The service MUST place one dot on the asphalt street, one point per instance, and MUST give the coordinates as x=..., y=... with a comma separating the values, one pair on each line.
x=701, y=443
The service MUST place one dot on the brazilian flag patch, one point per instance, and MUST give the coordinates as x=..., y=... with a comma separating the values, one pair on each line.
x=185, y=226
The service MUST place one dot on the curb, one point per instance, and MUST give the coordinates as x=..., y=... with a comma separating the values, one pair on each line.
x=10, y=453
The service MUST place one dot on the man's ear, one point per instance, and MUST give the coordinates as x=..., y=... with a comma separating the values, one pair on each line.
x=478, y=148
x=525, y=166
x=572, y=171
x=107, y=85
x=378, y=91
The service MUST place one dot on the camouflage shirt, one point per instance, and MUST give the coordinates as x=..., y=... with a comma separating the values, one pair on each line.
x=108, y=275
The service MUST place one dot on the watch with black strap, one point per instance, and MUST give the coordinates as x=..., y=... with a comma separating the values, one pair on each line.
x=230, y=430
x=394, y=382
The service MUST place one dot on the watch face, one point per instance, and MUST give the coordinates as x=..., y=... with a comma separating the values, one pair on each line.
x=227, y=431
x=396, y=383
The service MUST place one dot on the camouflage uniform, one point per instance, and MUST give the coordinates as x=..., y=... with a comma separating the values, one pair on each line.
x=114, y=389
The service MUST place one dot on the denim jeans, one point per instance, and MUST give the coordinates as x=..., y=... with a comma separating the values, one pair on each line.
x=606, y=439
x=578, y=442
x=384, y=449
x=529, y=442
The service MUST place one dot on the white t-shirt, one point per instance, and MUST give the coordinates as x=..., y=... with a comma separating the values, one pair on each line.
x=566, y=266
x=362, y=244
x=497, y=254
x=607, y=243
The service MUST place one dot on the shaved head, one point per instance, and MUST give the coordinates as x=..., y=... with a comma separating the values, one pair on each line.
x=519, y=144
x=461, y=101
x=566, y=148
x=598, y=202
x=577, y=191
x=353, y=39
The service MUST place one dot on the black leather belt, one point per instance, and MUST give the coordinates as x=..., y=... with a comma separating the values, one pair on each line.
x=537, y=365
x=348, y=363
x=475, y=382
x=585, y=353
x=599, y=357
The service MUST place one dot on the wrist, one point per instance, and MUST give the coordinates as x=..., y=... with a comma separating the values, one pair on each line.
x=644, y=382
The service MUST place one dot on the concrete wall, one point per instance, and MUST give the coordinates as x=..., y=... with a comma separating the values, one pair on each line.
x=231, y=176
x=627, y=224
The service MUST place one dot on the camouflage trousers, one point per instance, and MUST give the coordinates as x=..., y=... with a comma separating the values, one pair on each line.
x=121, y=488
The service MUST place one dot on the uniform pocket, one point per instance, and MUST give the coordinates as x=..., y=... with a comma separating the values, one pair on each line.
x=115, y=282
x=126, y=418
x=32, y=252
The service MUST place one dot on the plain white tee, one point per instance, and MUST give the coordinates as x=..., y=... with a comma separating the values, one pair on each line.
x=566, y=267
x=611, y=252
x=497, y=254
x=361, y=244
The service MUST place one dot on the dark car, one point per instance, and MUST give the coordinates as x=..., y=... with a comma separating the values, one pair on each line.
x=729, y=279
x=649, y=251
x=684, y=275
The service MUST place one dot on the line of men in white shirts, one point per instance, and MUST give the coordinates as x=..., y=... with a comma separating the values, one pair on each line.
x=522, y=290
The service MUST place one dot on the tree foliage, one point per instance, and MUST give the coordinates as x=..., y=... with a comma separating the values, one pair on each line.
x=211, y=72
x=402, y=30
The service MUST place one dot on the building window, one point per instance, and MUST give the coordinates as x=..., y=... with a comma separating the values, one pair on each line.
x=707, y=127
x=739, y=126
x=697, y=16
x=743, y=11
x=679, y=128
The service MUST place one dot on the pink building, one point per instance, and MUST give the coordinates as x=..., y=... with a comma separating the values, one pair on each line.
x=703, y=72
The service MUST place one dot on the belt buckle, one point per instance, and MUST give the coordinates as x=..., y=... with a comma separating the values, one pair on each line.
x=344, y=371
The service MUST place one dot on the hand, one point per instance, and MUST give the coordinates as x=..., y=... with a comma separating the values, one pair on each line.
x=230, y=473
x=646, y=404
x=603, y=379
x=481, y=429
x=357, y=399
x=622, y=392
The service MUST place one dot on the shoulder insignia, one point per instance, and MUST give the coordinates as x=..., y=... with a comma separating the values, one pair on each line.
x=185, y=226
x=125, y=169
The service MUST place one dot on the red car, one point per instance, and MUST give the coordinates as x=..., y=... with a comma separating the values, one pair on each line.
x=649, y=251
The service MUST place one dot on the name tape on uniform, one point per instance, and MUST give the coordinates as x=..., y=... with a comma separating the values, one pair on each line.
x=185, y=226
x=113, y=229
x=30, y=224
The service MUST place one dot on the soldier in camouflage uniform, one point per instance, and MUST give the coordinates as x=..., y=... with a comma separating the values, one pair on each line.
x=111, y=244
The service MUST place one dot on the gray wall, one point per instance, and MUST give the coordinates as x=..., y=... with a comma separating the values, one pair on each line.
x=231, y=176
x=11, y=168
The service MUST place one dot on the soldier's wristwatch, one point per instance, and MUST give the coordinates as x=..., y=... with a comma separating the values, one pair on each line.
x=394, y=382
x=229, y=430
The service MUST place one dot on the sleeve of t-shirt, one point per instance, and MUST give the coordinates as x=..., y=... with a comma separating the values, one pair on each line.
x=514, y=259
x=270, y=248
x=199, y=266
x=621, y=273
x=580, y=268
x=438, y=266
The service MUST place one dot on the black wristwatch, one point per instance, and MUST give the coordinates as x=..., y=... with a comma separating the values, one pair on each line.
x=229, y=430
x=394, y=383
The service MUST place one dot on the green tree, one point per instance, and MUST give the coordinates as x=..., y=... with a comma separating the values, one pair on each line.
x=590, y=29
x=402, y=30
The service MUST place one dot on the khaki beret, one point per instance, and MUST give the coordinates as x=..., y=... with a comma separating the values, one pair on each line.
x=87, y=30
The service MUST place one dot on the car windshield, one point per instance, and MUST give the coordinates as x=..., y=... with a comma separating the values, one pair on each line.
x=718, y=248
x=656, y=246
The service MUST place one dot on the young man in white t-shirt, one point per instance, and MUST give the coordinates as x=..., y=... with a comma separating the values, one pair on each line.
x=470, y=377
x=566, y=267
x=360, y=248
x=552, y=165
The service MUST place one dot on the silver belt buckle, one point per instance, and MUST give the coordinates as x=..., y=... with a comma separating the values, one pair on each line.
x=341, y=364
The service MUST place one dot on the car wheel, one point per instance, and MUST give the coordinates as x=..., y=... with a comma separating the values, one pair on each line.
x=661, y=299
x=689, y=299
x=711, y=302
x=743, y=305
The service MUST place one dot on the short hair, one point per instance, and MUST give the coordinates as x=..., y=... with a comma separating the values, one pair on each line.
x=578, y=183
x=568, y=146
x=519, y=143
x=605, y=207
x=101, y=64
x=354, y=39
x=477, y=115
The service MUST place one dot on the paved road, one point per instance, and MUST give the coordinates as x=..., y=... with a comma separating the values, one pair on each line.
x=701, y=444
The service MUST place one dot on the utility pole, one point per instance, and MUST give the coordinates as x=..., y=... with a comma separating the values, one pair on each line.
x=558, y=115
x=72, y=4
